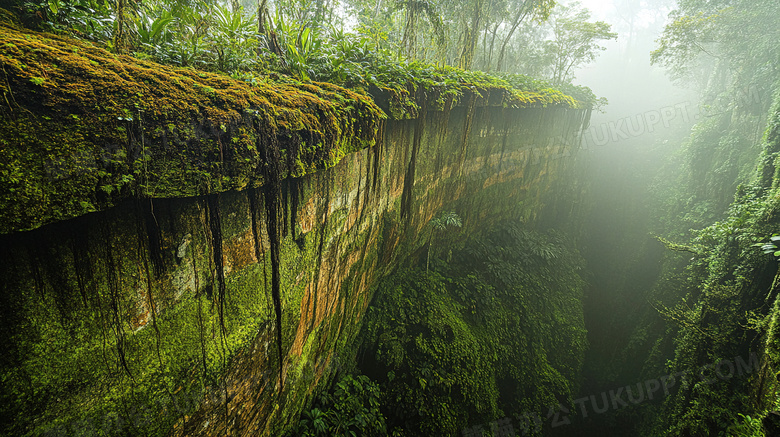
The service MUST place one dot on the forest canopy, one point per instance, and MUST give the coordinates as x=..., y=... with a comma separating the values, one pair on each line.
x=350, y=43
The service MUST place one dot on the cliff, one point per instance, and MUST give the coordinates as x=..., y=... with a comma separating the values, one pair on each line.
x=187, y=254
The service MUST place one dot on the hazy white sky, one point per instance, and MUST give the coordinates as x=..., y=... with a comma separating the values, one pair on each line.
x=623, y=70
x=600, y=8
x=605, y=10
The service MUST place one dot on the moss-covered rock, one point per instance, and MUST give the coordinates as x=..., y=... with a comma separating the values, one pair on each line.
x=155, y=316
x=82, y=129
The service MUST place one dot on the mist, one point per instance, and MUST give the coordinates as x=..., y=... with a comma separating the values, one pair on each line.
x=390, y=218
x=636, y=151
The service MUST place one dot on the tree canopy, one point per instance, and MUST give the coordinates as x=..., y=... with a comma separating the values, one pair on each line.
x=333, y=40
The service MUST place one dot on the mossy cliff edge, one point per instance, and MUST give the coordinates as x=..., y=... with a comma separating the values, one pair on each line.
x=155, y=316
x=82, y=129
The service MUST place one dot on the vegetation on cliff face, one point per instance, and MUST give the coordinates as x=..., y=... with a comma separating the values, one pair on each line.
x=495, y=330
x=121, y=322
x=132, y=330
x=713, y=302
x=726, y=306
x=84, y=128
x=115, y=337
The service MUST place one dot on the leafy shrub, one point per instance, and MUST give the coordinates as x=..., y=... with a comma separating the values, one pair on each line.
x=350, y=409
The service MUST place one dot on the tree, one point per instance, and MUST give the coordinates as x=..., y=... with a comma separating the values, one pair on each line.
x=539, y=9
x=575, y=41
x=720, y=40
x=414, y=9
x=470, y=33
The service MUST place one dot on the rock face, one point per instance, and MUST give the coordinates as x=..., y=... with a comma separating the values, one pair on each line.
x=125, y=305
x=161, y=316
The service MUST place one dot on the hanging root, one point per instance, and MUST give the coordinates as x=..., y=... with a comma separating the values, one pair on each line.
x=272, y=202
x=153, y=235
x=274, y=217
x=113, y=287
x=215, y=226
x=407, y=194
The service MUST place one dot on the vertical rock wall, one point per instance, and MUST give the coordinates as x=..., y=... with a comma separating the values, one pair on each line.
x=117, y=322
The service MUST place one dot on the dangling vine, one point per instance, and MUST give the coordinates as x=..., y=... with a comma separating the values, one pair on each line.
x=467, y=128
x=320, y=246
x=81, y=261
x=252, y=194
x=406, y=196
x=215, y=226
x=200, y=312
x=273, y=197
x=375, y=157
x=154, y=237
x=113, y=288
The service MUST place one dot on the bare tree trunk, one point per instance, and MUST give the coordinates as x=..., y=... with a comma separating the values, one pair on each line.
x=120, y=37
x=492, y=45
x=521, y=14
x=409, y=40
x=467, y=57
x=262, y=13
x=475, y=24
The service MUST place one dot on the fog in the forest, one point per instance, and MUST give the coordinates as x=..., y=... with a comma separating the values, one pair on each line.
x=634, y=151
x=480, y=218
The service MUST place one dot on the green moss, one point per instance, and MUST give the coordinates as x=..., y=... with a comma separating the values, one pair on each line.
x=84, y=128
x=498, y=329
x=101, y=129
x=79, y=120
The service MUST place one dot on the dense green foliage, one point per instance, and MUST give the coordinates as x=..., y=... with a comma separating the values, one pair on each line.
x=309, y=42
x=76, y=366
x=68, y=149
x=714, y=298
x=724, y=306
x=494, y=330
x=349, y=409
x=92, y=124
x=76, y=153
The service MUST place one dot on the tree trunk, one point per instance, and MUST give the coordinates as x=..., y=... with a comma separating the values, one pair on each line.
x=492, y=46
x=472, y=34
x=521, y=14
x=410, y=32
x=262, y=12
x=120, y=40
